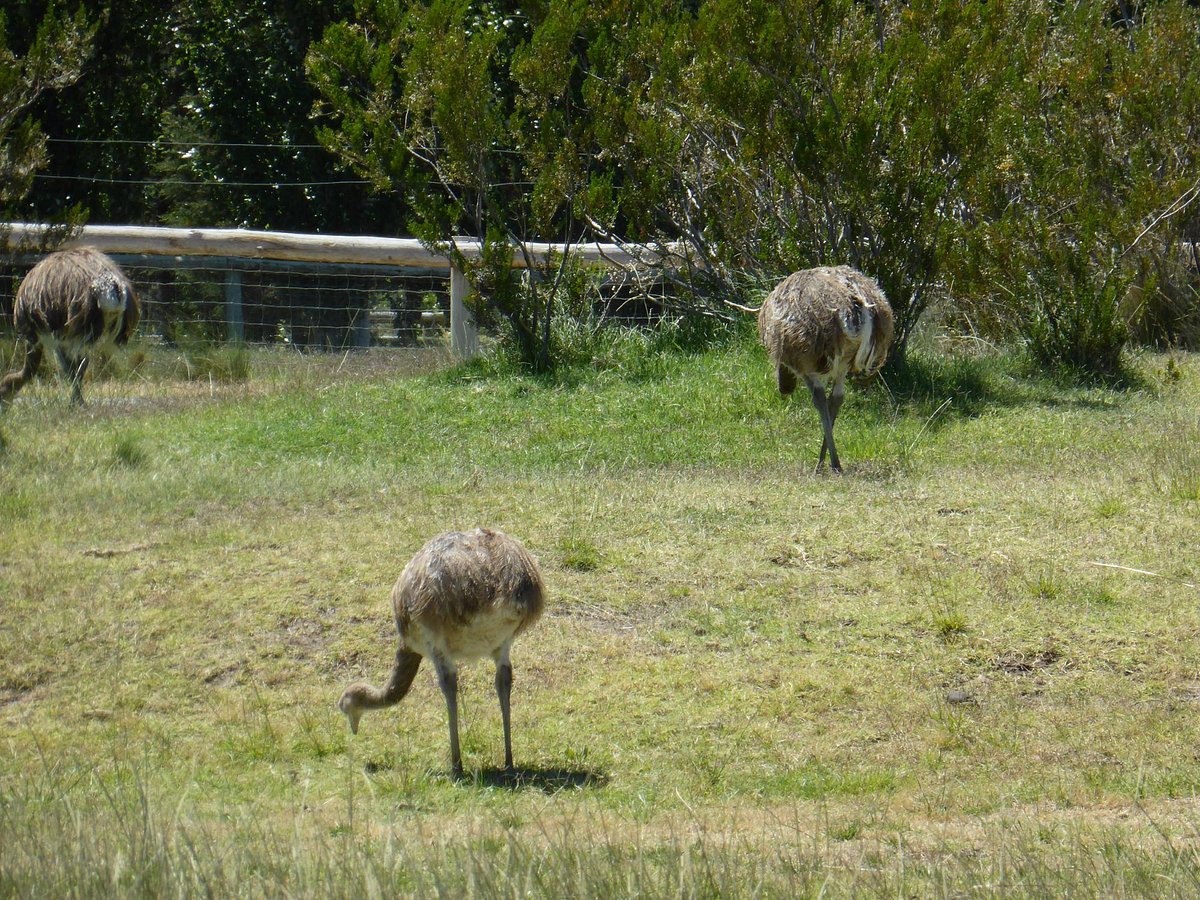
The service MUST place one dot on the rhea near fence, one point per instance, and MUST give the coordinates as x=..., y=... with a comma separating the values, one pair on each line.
x=311, y=292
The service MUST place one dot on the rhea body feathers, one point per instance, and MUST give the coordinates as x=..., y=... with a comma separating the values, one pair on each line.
x=463, y=596
x=74, y=302
x=820, y=326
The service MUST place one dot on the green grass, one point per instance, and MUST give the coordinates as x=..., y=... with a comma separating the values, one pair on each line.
x=741, y=683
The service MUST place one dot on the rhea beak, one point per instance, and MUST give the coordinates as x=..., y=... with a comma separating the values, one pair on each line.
x=351, y=712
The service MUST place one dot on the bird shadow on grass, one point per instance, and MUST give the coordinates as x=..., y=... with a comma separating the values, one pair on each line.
x=945, y=389
x=546, y=780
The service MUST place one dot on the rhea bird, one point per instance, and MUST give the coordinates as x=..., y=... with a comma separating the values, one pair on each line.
x=820, y=325
x=463, y=596
x=73, y=302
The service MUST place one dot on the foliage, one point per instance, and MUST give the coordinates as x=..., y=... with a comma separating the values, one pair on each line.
x=239, y=117
x=52, y=59
x=471, y=111
x=103, y=126
x=936, y=146
x=795, y=135
x=197, y=114
x=1031, y=164
x=1091, y=173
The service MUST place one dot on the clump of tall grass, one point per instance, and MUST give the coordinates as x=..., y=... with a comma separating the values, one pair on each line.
x=1163, y=304
x=220, y=362
x=9, y=350
x=1176, y=465
x=580, y=553
x=127, y=452
x=128, y=841
x=631, y=351
x=635, y=352
x=191, y=359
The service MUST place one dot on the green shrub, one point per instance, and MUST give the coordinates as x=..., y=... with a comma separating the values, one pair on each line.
x=1070, y=314
x=221, y=362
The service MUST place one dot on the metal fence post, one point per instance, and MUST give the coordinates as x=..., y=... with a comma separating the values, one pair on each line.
x=235, y=322
x=464, y=335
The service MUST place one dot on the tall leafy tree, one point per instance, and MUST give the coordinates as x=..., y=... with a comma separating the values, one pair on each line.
x=101, y=128
x=1091, y=178
x=197, y=113
x=472, y=111
x=799, y=134
x=489, y=117
x=240, y=124
x=49, y=56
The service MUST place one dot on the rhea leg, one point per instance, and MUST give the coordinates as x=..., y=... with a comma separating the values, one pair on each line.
x=77, y=382
x=448, y=682
x=74, y=369
x=836, y=396
x=504, y=680
x=10, y=384
x=817, y=389
x=786, y=378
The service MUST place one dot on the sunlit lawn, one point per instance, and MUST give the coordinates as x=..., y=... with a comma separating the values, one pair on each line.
x=971, y=660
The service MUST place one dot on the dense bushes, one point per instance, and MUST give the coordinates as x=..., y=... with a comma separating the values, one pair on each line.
x=1027, y=158
x=1030, y=165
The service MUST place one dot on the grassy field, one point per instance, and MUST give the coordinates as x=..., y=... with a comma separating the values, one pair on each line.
x=966, y=667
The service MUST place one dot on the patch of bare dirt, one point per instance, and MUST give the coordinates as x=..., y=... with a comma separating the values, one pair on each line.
x=1188, y=692
x=9, y=696
x=1022, y=663
x=305, y=638
x=791, y=557
x=224, y=676
x=109, y=552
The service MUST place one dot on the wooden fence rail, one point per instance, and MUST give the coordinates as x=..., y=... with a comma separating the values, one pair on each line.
x=238, y=243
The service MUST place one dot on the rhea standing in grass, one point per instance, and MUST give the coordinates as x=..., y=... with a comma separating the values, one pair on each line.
x=74, y=302
x=464, y=595
x=821, y=325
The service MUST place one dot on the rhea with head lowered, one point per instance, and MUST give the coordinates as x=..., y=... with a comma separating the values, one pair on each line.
x=464, y=595
x=73, y=302
x=820, y=325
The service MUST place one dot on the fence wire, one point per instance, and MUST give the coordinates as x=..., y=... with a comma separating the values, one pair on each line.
x=309, y=306
x=313, y=306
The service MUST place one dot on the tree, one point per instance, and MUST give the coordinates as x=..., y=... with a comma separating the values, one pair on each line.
x=103, y=125
x=239, y=124
x=471, y=112
x=775, y=136
x=52, y=59
x=1091, y=173
x=1036, y=155
x=197, y=113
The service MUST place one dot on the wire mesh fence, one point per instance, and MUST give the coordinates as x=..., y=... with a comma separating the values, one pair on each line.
x=309, y=306
x=313, y=306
